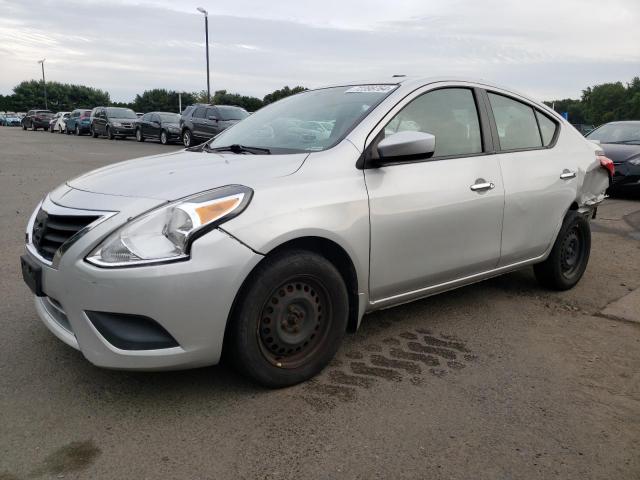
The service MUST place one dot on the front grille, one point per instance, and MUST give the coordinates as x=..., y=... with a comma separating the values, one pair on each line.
x=51, y=231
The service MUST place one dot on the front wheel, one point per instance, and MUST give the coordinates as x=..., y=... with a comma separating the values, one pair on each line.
x=110, y=134
x=164, y=140
x=187, y=138
x=94, y=134
x=569, y=256
x=289, y=319
x=77, y=131
x=139, y=136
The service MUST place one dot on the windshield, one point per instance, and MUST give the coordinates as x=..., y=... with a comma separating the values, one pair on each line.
x=170, y=117
x=617, y=133
x=121, y=113
x=232, y=113
x=307, y=122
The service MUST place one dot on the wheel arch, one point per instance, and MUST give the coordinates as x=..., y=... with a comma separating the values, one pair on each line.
x=328, y=249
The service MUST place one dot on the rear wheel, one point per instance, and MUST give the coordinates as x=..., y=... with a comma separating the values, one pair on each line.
x=289, y=320
x=569, y=256
x=24, y=127
x=94, y=134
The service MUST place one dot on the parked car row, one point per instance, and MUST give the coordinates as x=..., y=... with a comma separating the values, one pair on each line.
x=10, y=119
x=197, y=123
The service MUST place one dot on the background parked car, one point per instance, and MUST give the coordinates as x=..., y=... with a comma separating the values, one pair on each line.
x=79, y=122
x=621, y=143
x=163, y=126
x=200, y=122
x=11, y=119
x=35, y=119
x=113, y=122
x=56, y=124
x=583, y=128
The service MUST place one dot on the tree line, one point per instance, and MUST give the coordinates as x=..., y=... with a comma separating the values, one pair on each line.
x=598, y=104
x=602, y=103
x=66, y=97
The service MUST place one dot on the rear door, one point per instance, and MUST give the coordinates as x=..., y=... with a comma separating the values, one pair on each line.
x=440, y=219
x=540, y=184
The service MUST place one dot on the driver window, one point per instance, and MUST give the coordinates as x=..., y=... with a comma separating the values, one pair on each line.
x=450, y=114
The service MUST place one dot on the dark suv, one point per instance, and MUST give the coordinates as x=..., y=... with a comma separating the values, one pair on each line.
x=200, y=122
x=35, y=119
x=113, y=122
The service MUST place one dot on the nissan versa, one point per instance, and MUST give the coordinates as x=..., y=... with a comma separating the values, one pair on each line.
x=270, y=241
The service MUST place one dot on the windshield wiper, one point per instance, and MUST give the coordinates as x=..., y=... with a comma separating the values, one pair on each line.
x=631, y=140
x=237, y=148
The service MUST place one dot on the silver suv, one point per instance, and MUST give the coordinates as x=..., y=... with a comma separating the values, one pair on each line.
x=275, y=238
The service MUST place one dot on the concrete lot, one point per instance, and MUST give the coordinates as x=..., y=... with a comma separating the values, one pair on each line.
x=528, y=383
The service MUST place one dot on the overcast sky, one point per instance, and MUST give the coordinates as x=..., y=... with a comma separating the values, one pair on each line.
x=547, y=48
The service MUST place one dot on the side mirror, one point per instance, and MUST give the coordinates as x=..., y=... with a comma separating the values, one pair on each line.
x=403, y=146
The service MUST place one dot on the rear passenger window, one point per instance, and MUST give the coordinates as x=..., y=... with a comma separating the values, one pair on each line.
x=199, y=112
x=449, y=114
x=547, y=128
x=516, y=123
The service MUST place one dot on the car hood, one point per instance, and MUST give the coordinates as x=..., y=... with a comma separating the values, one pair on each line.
x=179, y=174
x=619, y=152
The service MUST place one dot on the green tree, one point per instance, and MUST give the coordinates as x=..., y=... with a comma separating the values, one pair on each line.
x=160, y=99
x=281, y=93
x=30, y=94
x=251, y=104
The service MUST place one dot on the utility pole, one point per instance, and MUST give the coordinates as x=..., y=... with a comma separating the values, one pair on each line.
x=206, y=39
x=44, y=83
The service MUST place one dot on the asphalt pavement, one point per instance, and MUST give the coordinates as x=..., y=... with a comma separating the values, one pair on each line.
x=498, y=380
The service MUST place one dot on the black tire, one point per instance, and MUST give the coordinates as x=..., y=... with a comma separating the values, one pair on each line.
x=63, y=130
x=139, y=136
x=109, y=134
x=94, y=134
x=569, y=256
x=289, y=319
x=24, y=127
x=164, y=139
x=187, y=138
x=33, y=127
x=77, y=131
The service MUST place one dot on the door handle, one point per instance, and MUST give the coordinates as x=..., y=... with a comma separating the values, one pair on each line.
x=566, y=175
x=482, y=186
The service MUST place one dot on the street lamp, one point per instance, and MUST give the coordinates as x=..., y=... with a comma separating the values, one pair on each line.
x=44, y=83
x=206, y=36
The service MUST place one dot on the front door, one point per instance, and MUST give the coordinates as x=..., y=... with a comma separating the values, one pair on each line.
x=436, y=220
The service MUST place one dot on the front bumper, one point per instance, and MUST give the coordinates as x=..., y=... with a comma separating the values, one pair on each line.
x=124, y=131
x=191, y=300
x=626, y=176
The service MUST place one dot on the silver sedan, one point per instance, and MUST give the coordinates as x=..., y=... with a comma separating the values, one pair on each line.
x=270, y=241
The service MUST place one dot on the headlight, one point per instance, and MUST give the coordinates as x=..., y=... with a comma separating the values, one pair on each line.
x=166, y=233
x=116, y=124
x=635, y=161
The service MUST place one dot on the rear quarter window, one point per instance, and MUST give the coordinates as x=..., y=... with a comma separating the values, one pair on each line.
x=547, y=128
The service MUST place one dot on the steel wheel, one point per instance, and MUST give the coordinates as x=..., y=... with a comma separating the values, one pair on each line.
x=572, y=251
x=294, y=322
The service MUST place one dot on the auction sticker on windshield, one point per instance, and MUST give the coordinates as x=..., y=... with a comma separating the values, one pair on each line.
x=371, y=89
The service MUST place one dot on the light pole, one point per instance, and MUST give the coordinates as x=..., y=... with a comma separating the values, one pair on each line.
x=44, y=83
x=206, y=39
